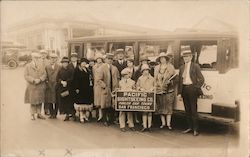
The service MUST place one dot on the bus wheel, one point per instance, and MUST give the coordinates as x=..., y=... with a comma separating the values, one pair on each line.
x=12, y=63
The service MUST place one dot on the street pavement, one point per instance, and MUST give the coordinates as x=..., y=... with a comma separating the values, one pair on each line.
x=21, y=136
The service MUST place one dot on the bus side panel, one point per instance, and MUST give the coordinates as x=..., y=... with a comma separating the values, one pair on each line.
x=205, y=102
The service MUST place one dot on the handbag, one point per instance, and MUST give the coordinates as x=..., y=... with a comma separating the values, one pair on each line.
x=65, y=93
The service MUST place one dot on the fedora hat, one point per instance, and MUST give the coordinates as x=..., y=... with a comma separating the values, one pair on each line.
x=84, y=60
x=53, y=55
x=65, y=59
x=144, y=67
x=98, y=55
x=144, y=58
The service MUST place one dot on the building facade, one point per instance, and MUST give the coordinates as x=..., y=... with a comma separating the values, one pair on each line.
x=52, y=34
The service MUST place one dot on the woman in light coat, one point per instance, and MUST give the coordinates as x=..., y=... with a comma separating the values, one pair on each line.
x=107, y=79
x=97, y=87
x=164, y=89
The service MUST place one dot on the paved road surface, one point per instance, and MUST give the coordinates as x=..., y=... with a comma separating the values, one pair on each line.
x=54, y=137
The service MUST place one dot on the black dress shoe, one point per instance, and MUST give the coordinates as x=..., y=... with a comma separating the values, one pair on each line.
x=149, y=129
x=133, y=129
x=143, y=129
x=66, y=118
x=123, y=129
x=106, y=124
x=187, y=131
x=39, y=116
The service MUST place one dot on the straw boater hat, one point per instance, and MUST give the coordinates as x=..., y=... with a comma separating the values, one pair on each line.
x=84, y=60
x=74, y=55
x=144, y=67
x=131, y=60
x=162, y=54
x=53, y=55
x=43, y=52
x=109, y=56
x=186, y=51
x=144, y=58
x=35, y=55
x=118, y=51
x=65, y=59
x=125, y=71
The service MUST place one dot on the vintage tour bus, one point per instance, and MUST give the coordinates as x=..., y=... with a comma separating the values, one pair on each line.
x=216, y=53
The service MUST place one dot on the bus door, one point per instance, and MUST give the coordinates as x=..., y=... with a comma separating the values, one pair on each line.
x=205, y=54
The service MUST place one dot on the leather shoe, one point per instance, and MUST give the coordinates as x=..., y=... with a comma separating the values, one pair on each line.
x=187, y=131
x=196, y=133
x=123, y=129
x=106, y=124
x=33, y=117
x=40, y=116
x=66, y=118
x=162, y=126
x=143, y=129
x=132, y=129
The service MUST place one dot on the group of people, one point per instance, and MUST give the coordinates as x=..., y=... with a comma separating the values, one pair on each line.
x=78, y=86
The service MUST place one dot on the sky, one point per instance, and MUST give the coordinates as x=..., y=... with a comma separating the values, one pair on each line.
x=167, y=15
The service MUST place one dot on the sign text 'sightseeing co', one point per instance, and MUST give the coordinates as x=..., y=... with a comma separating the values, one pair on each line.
x=135, y=101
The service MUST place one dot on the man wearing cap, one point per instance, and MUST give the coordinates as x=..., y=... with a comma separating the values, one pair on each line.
x=45, y=62
x=190, y=82
x=35, y=76
x=50, y=95
x=107, y=79
x=120, y=63
x=73, y=61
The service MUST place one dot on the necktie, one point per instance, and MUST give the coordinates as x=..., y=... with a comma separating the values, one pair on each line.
x=111, y=80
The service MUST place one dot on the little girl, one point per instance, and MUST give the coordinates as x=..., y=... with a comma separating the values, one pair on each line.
x=146, y=83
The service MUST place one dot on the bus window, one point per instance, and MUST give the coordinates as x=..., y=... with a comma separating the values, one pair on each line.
x=204, y=53
x=128, y=48
x=77, y=48
x=93, y=49
x=152, y=49
x=208, y=56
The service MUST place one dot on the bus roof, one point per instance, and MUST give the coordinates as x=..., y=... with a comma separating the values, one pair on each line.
x=195, y=35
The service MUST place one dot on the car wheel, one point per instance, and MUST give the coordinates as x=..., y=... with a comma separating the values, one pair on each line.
x=12, y=63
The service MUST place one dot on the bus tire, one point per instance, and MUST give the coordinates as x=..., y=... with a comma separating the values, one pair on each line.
x=12, y=63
